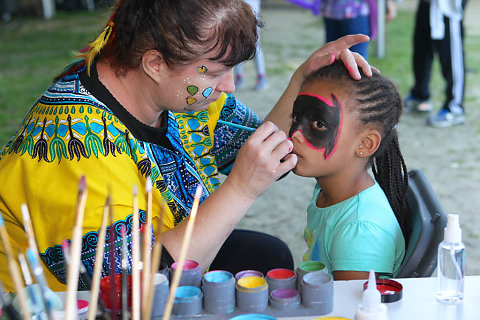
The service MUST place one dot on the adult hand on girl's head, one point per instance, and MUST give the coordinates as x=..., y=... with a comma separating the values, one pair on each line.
x=259, y=162
x=339, y=49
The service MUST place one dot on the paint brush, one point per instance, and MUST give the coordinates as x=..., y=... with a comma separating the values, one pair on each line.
x=76, y=251
x=28, y=282
x=125, y=313
x=7, y=305
x=135, y=258
x=27, y=223
x=183, y=253
x=37, y=270
x=112, y=265
x=14, y=272
x=235, y=125
x=147, y=243
x=97, y=269
x=156, y=257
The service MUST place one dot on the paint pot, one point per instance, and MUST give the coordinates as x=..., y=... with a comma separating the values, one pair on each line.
x=165, y=270
x=191, y=274
x=281, y=279
x=390, y=290
x=188, y=301
x=253, y=316
x=285, y=299
x=248, y=273
x=112, y=299
x=317, y=291
x=305, y=267
x=252, y=294
x=160, y=294
x=218, y=292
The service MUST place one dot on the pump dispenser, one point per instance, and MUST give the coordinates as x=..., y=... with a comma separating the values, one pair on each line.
x=372, y=307
x=451, y=263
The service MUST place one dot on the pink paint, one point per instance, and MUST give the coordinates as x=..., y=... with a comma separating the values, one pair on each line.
x=280, y=273
x=325, y=100
x=187, y=265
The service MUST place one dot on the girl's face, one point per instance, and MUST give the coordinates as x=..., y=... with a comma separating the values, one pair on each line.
x=192, y=87
x=322, y=133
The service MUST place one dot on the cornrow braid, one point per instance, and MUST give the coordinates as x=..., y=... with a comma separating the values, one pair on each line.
x=377, y=102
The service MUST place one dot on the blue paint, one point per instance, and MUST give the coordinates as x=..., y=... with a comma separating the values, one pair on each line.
x=187, y=292
x=218, y=276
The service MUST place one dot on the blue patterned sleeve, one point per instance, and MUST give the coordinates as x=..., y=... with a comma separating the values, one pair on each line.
x=228, y=140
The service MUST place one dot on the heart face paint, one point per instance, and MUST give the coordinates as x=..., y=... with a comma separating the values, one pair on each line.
x=319, y=120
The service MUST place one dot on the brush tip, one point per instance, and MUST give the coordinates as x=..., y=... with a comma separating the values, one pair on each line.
x=1, y=221
x=148, y=184
x=82, y=184
x=198, y=191
x=135, y=190
x=65, y=244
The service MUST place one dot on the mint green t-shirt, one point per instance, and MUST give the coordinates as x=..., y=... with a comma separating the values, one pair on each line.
x=357, y=234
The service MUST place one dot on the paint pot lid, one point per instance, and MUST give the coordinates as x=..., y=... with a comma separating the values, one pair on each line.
x=390, y=290
x=82, y=306
x=248, y=273
x=253, y=316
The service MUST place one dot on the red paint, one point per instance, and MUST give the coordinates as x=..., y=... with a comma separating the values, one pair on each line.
x=187, y=265
x=106, y=291
x=280, y=273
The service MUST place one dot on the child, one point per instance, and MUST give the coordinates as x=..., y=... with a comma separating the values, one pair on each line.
x=340, y=128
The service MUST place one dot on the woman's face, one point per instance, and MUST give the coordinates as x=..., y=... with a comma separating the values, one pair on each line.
x=322, y=133
x=192, y=87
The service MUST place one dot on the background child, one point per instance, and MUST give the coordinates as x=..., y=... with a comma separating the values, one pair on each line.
x=260, y=68
x=341, y=128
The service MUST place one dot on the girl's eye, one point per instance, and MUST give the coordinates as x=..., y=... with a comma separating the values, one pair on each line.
x=319, y=125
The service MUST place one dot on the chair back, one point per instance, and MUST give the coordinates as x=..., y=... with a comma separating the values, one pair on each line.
x=429, y=220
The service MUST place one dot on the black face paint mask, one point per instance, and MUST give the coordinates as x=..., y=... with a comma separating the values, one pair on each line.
x=319, y=120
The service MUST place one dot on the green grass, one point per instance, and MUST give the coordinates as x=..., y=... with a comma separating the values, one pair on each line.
x=32, y=52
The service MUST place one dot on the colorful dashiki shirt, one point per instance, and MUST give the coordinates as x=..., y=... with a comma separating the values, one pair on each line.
x=68, y=133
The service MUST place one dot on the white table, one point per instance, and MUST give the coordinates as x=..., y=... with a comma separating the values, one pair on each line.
x=418, y=301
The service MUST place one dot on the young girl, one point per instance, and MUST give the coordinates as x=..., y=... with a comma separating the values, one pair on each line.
x=340, y=129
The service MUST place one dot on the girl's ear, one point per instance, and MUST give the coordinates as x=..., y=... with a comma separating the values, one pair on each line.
x=369, y=142
x=154, y=65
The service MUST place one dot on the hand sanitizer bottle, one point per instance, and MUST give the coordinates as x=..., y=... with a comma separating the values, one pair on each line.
x=372, y=307
x=451, y=263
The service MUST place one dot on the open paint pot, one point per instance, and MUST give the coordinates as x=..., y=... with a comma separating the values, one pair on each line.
x=317, y=291
x=161, y=291
x=281, y=279
x=188, y=301
x=252, y=294
x=218, y=292
x=305, y=267
x=285, y=299
x=111, y=292
x=248, y=273
x=390, y=290
x=191, y=274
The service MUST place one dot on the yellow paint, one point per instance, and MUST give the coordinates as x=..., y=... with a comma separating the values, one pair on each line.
x=251, y=282
x=332, y=318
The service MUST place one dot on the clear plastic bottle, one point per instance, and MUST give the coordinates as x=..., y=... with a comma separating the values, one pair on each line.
x=371, y=307
x=451, y=263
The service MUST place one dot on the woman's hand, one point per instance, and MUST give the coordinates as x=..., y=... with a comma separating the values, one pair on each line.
x=263, y=159
x=338, y=49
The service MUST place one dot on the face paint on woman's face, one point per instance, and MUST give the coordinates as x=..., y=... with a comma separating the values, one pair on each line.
x=319, y=120
x=192, y=90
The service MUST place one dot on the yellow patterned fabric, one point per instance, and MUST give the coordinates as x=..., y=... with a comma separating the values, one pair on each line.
x=69, y=133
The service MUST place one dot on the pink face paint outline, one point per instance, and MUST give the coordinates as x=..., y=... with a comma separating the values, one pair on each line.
x=340, y=124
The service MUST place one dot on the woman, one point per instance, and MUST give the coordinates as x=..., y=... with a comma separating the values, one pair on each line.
x=144, y=100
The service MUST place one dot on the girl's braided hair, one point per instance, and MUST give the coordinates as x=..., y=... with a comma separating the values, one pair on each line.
x=377, y=101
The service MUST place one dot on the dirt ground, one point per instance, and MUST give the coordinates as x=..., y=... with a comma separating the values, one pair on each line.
x=449, y=157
